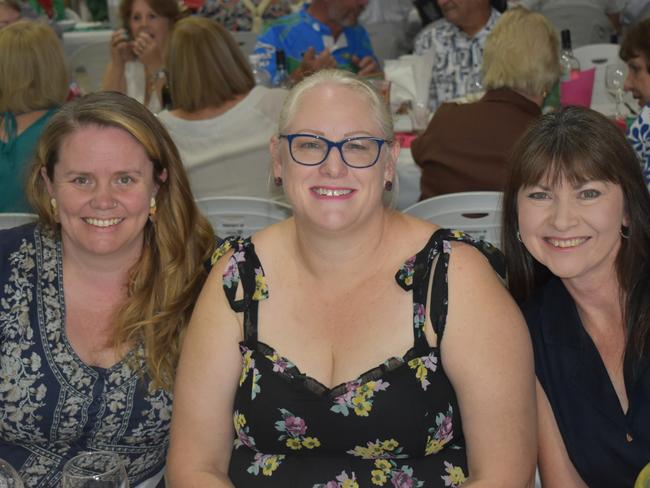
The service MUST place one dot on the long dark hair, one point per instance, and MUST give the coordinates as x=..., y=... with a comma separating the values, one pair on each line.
x=582, y=145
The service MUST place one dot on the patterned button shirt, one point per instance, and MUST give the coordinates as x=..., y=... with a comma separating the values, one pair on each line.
x=639, y=136
x=52, y=404
x=235, y=16
x=457, y=57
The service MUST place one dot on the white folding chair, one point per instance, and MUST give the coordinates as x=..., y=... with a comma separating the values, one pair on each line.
x=242, y=216
x=598, y=56
x=9, y=220
x=87, y=65
x=587, y=22
x=478, y=213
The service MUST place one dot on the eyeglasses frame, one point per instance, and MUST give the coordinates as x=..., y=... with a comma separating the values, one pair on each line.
x=338, y=145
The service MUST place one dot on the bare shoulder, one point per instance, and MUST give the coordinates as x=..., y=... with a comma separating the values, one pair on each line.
x=412, y=231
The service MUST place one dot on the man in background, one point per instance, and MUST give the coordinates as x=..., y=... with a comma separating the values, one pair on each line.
x=324, y=34
x=457, y=40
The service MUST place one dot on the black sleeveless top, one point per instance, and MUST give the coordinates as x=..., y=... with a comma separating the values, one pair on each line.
x=397, y=425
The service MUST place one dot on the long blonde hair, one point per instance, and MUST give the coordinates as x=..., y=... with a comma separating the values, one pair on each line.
x=165, y=282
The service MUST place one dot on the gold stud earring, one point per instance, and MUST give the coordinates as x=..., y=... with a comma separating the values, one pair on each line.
x=53, y=203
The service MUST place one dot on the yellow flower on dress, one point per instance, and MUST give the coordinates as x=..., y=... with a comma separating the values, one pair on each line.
x=270, y=465
x=220, y=251
x=248, y=360
x=433, y=446
x=456, y=475
x=378, y=477
x=383, y=465
x=240, y=421
x=390, y=444
x=361, y=406
x=261, y=290
x=294, y=443
x=348, y=483
x=310, y=442
x=458, y=234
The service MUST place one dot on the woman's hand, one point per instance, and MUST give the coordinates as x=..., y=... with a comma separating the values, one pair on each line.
x=121, y=51
x=148, y=52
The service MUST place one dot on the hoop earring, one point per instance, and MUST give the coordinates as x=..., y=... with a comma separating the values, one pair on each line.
x=624, y=231
x=388, y=186
x=519, y=236
x=277, y=181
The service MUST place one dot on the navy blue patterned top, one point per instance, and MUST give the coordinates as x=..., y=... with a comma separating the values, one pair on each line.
x=52, y=405
x=396, y=425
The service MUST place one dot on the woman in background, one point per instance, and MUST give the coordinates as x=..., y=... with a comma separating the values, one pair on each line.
x=138, y=51
x=95, y=297
x=466, y=146
x=219, y=115
x=577, y=241
x=33, y=85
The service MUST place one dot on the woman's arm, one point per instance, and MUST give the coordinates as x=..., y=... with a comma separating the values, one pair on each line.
x=487, y=354
x=555, y=468
x=202, y=429
x=120, y=53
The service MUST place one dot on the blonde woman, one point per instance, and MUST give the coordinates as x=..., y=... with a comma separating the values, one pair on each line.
x=95, y=297
x=33, y=84
x=465, y=147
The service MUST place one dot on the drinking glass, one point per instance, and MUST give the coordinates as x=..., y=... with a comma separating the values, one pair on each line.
x=9, y=477
x=97, y=469
x=420, y=114
x=614, y=80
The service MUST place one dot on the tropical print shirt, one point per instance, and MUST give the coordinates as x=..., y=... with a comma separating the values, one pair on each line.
x=639, y=136
x=458, y=57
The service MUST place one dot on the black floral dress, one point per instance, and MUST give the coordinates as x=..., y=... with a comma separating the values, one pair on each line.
x=397, y=425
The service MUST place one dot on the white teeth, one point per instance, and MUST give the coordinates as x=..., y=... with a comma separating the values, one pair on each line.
x=331, y=193
x=102, y=222
x=567, y=242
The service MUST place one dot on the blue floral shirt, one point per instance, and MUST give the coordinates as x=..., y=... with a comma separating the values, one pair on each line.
x=457, y=56
x=639, y=136
x=52, y=404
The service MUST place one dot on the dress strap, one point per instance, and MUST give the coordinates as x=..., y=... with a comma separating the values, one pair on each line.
x=439, y=290
x=10, y=130
x=243, y=268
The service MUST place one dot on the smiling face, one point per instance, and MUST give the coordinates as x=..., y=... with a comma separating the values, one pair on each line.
x=144, y=19
x=637, y=80
x=573, y=230
x=103, y=190
x=333, y=195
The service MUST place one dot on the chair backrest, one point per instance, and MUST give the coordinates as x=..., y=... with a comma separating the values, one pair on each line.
x=242, y=216
x=477, y=213
x=87, y=65
x=9, y=220
x=587, y=22
x=598, y=56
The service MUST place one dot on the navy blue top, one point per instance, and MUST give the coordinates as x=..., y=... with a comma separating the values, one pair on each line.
x=607, y=447
x=52, y=404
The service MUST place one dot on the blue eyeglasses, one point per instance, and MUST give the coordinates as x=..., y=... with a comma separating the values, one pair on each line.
x=356, y=152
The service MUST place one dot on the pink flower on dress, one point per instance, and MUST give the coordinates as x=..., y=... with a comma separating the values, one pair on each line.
x=400, y=479
x=295, y=425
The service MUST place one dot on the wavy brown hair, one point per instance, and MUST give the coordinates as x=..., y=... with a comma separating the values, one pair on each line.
x=582, y=145
x=165, y=282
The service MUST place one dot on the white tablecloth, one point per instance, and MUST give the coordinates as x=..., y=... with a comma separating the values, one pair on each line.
x=75, y=39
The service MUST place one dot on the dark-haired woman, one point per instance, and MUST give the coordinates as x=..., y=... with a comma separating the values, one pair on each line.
x=577, y=241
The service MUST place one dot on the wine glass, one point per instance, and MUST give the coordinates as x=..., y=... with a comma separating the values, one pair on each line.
x=98, y=469
x=9, y=477
x=614, y=80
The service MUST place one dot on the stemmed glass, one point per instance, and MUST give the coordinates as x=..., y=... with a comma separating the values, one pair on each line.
x=473, y=87
x=614, y=80
x=100, y=469
x=9, y=477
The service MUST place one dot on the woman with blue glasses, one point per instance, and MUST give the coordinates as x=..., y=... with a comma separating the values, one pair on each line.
x=315, y=357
